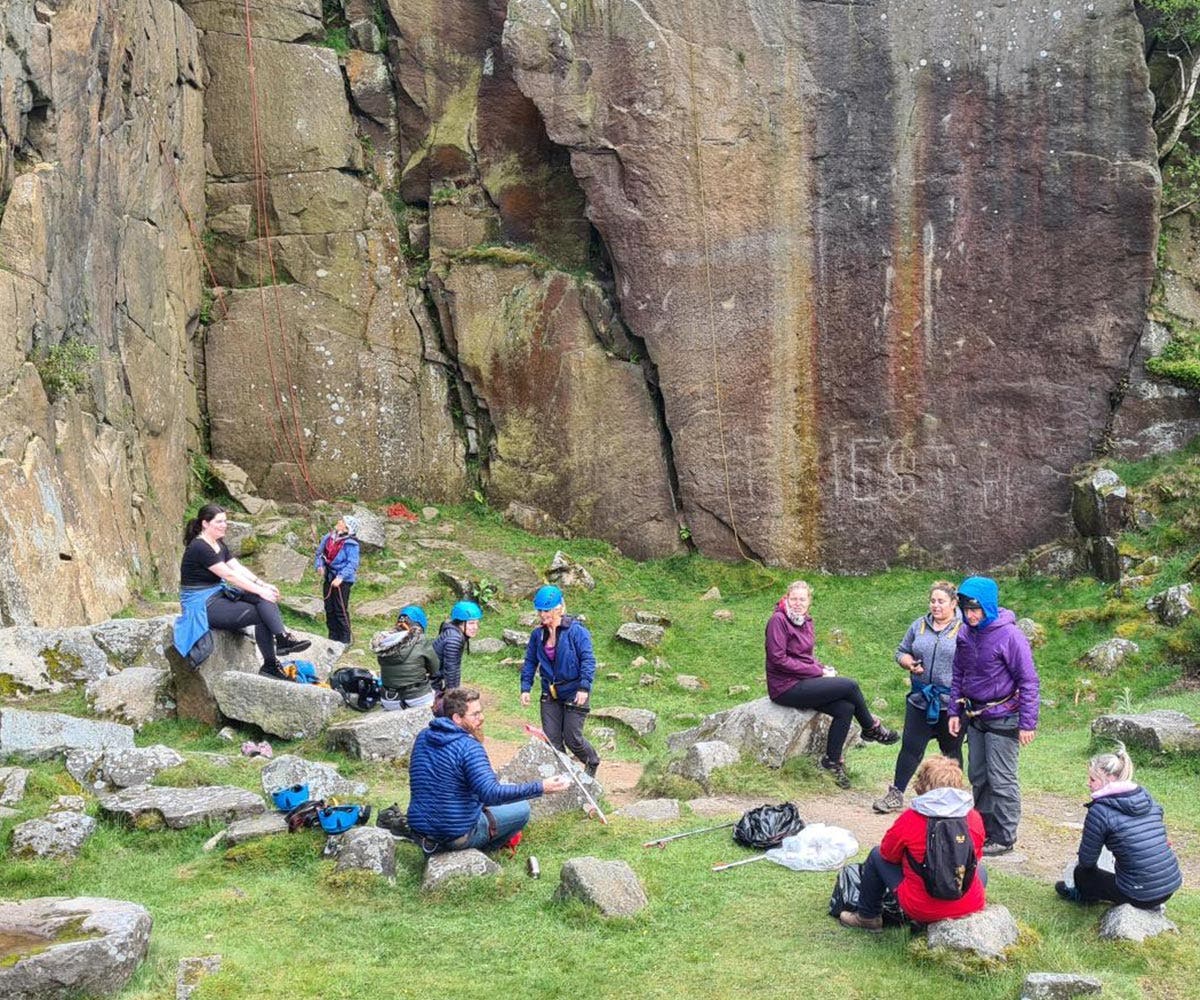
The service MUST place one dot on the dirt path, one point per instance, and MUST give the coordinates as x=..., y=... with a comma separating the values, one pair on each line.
x=1047, y=838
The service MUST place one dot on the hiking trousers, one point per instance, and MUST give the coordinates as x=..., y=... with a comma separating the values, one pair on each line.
x=839, y=697
x=337, y=609
x=509, y=818
x=1095, y=884
x=562, y=723
x=248, y=609
x=993, y=746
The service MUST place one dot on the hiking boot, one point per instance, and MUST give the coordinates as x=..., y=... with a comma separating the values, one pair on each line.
x=591, y=769
x=837, y=771
x=273, y=670
x=1068, y=892
x=289, y=643
x=892, y=802
x=879, y=733
x=848, y=918
x=994, y=848
x=364, y=814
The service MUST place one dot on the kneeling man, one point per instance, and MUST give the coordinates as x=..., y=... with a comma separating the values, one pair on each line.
x=456, y=800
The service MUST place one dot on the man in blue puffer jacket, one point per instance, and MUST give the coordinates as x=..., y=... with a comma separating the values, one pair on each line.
x=456, y=801
x=993, y=695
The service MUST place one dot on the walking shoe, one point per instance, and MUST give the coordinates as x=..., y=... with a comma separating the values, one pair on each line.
x=837, y=771
x=892, y=802
x=290, y=643
x=1068, y=892
x=848, y=918
x=993, y=848
x=591, y=769
x=273, y=670
x=879, y=733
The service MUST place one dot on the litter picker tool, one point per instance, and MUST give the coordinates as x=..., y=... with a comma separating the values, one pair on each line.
x=734, y=864
x=537, y=734
x=663, y=841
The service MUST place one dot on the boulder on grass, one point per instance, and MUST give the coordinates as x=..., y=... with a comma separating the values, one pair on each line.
x=1105, y=657
x=611, y=887
x=379, y=735
x=652, y=810
x=45, y=735
x=1160, y=731
x=135, y=696
x=988, y=933
x=364, y=848
x=440, y=868
x=762, y=731
x=646, y=636
x=12, y=785
x=1059, y=986
x=323, y=780
x=176, y=808
x=232, y=651
x=44, y=659
x=641, y=720
x=1172, y=605
x=104, y=941
x=265, y=824
x=120, y=768
x=702, y=759
x=536, y=761
x=279, y=708
x=59, y=835
x=1129, y=923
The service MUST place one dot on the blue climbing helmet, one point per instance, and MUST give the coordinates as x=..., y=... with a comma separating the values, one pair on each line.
x=547, y=598
x=414, y=615
x=466, y=611
x=287, y=799
x=339, y=819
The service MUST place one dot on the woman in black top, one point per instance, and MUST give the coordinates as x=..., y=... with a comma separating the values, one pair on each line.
x=207, y=563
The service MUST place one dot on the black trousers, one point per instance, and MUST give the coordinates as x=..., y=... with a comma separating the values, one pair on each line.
x=562, y=723
x=1095, y=884
x=917, y=734
x=337, y=608
x=248, y=609
x=839, y=697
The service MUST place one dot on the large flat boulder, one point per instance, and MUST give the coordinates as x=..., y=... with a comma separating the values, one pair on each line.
x=176, y=808
x=379, y=735
x=44, y=735
x=104, y=941
x=121, y=768
x=59, y=835
x=536, y=762
x=280, y=708
x=441, y=868
x=41, y=659
x=1160, y=731
x=194, y=699
x=322, y=779
x=134, y=642
x=988, y=933
x=135, y=696
x=763, y=731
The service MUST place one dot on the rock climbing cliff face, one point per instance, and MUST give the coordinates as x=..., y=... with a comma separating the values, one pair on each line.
x=100, y=165
x=818, y=282
x=889, y=258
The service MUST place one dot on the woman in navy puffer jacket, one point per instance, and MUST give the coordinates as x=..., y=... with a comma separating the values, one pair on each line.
x=1124, y=818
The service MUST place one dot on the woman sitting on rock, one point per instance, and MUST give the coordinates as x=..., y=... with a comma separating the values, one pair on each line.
x=1124, y=818
x=454, y=638
x=217, y=591
x=897, y=862
x=408, y=666
x=796, y=679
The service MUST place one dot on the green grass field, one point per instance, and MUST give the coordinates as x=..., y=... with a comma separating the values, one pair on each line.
x=287, y=926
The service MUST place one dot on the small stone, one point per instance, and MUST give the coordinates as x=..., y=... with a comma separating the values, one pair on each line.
x=612, y=675
x=1059, y=986
x=440, y=868
x=1035, y=633
x=12, y=785
x=514, y=638
x=604, y=738
x=1173, y=605
x=59, y=835
x=723, y=615
x=689, y=682
x=486, y=646
x=430, y=513
x=191, y=971
x=227, y=734
x=69, y=803
x=566, y=572
x=712, y=594
x=837, y=637
x=612, y=887
x=651, y=618
x=647, y=680
x=528, y=620
x=1105, y=657
x=638, y=662
x=702, y=759
x=641, y=635
x=1128, y=923
x=988, y=933
x=736, y=689
x=365, y=848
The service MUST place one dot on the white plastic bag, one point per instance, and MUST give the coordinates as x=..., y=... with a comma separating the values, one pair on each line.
x=816, y=848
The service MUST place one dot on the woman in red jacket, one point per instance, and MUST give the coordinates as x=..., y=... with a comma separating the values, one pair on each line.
x=940, y=792
x=796, y=679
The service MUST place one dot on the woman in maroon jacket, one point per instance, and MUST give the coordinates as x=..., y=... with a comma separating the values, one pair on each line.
x=796, y=679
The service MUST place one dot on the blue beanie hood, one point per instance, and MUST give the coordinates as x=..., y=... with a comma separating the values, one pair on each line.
x=984, y=590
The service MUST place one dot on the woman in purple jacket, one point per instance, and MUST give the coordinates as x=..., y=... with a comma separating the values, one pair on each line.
x=994, y=697
x=796, y=679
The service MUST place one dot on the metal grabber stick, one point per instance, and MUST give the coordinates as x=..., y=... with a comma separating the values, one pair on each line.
x=663, y=841
x=566, y=762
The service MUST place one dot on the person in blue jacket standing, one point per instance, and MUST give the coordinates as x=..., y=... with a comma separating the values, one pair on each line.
x=1124, y=818
x=337, y=561
x=560, y=650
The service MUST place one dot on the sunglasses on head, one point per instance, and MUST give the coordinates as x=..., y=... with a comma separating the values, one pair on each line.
x=969, y=604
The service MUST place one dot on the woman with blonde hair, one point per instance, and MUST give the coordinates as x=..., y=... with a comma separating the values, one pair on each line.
x=797, y=679
x=1124, y=818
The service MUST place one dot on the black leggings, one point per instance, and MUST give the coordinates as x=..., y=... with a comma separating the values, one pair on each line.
x=839, y=697
x=917, y=734
x=1095, y=884
x=249, y=609
x=337, y=609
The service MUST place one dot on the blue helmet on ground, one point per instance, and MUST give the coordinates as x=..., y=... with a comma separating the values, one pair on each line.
x=287, y=799
x=547, y=598
x=339, y=819
x=466, y=611
x=414, y=615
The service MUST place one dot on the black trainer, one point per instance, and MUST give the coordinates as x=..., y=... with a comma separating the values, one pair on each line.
x=1068, y=892
x=273, y=671
x=288, y=643
x=591, y=769
x=837, y=770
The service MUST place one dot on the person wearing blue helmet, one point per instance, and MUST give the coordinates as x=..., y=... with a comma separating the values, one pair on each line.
x=993, y=698
x=560, y=650
x=454, y=639
x=408, y=666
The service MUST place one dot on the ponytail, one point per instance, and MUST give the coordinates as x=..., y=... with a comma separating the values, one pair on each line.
x=196, y=525
x=1116, y=765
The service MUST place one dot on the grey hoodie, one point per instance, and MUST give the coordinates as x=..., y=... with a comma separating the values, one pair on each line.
x=944, y=802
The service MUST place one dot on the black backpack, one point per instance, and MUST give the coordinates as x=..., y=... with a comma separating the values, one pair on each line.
x=766, y=826
x=949, y=866
x=358, y=684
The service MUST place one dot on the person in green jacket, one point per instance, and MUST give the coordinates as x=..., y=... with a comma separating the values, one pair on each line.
x=408, y=666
